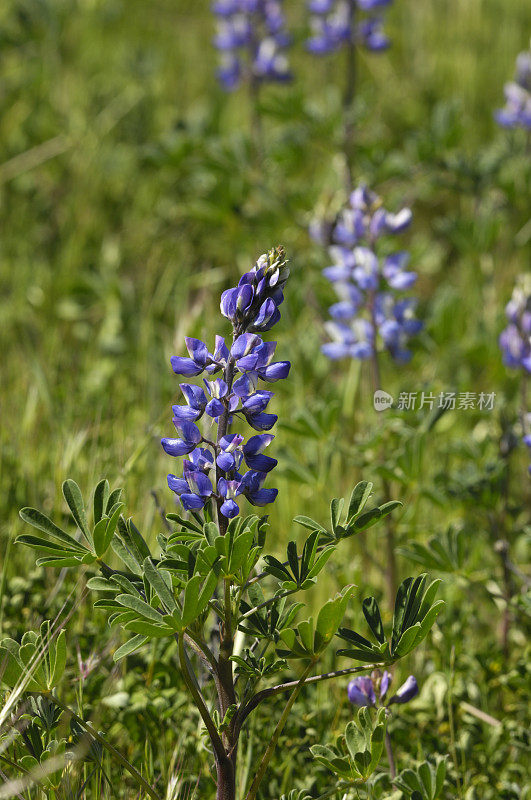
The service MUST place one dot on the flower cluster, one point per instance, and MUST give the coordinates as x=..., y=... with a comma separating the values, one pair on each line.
x=335, y=23
x=527, y=435
x=251, y=38
x=515, y=339
x=517, y=110
x=367, y=311
x=212, y=467
x=372, y=691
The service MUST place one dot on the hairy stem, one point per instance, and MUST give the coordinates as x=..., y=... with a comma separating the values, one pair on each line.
x=286, y=687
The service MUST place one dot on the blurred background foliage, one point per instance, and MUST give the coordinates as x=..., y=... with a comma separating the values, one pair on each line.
x=131, y=195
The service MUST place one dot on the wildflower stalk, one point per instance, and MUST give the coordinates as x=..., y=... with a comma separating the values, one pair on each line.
x=349, y=97
x=390, y=756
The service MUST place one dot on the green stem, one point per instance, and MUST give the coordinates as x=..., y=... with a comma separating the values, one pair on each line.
x=217, y=744
x=116, y=753
x=266, y=758
x=285, y=687
x=390, y=756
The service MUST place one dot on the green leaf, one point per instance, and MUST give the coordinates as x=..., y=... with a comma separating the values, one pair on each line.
x=38, y=520
x=101, y=496
x=191, y=598
x=159, y=586
x=308, y=522
x=366, y=520
x=134, y=540
x=320, y=562
x=293, y=559
x=372, y=614
x=51, y=561
x=428, y=621
x=336, y=507
x=111, y=526
x=10, y=669
x=138, y=605
x=130, y=647
x=147, y=629
x=99, y=584
x=407, y=641
x=123, y=553
x=329, y=618
x=113, y=499
x=99, y=536
x=377, y=740
x=74, y=499
x=358, y=499
x=44, y=546
x=240, y=550
x=186, y=523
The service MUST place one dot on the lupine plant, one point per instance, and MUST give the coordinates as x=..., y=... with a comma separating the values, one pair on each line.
x=212, y=569
x=342, y=23
x=371, y=314
x=251, y=37
x=515, y=344
x=349, y=25
x=517, y=110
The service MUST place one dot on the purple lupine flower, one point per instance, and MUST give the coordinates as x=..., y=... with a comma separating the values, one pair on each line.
x=372, y=691
x=251, y=306
x=251, y=38
x=406, y=692
x=335, y=23
x=361, y=692
x=527, y=436
x=193, y=489
x=369, y=315
x=515, y=339
x=517, y=110
x=188, y=441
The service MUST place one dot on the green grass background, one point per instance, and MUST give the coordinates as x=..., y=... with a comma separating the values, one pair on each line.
x=130, y=197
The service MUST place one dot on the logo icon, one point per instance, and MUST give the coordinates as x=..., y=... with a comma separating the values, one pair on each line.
x=382, y=400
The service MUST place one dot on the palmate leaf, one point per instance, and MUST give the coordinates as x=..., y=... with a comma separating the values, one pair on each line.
x=415, y=614
x=311, y=637
x=358, y=752
x=60, y=549
x=355, y=520
x=299, y=572
x=444, y=553
x=426, y=782
x=36, y=664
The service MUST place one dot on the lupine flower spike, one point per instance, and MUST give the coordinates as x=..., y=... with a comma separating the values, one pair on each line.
x=515, y=339
x=251, y=38
x=517, y=110
x=335, y=23
x=370, y=313
x=213, y=467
